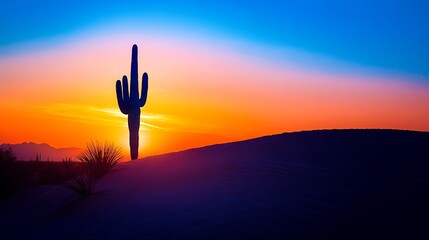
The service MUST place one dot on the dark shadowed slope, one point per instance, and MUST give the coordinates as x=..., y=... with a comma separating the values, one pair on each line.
x=318, y=184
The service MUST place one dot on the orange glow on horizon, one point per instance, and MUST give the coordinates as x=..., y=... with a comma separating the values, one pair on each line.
x=198, y=95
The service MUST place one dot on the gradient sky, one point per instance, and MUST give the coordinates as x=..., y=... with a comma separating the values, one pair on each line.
x=217, y=71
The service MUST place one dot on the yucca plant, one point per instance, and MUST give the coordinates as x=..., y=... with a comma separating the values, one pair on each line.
x=100, y=158
x=97, y=160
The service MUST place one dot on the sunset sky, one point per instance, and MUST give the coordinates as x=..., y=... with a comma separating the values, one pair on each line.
x=218, y=72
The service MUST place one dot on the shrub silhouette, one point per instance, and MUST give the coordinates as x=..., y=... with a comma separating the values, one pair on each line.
x=7, y=156
x=38, y=157
x=17, y=175
x=99, y=158
x=130, y=103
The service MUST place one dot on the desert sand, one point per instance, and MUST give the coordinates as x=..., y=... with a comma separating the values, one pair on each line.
x=316, y=185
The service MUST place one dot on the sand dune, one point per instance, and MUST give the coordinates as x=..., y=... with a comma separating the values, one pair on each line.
x=318, y=184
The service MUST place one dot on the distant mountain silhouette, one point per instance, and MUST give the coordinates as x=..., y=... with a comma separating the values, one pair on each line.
x=28, y=150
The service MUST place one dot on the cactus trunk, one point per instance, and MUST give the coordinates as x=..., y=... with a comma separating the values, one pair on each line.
x=134, y=126
x=130, y=103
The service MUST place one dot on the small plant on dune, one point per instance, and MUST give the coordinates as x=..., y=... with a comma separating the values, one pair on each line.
x=82, y=184
x=38, y=157
x=100, y=158
x=7, y=156
x=97, y=159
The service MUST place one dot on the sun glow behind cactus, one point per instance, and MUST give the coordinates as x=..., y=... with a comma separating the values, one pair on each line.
x=202, y=90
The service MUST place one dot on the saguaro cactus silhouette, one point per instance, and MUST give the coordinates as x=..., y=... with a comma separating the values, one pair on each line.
x=130, y=103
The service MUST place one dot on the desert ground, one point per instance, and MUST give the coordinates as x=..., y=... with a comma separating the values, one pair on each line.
x=345, y=184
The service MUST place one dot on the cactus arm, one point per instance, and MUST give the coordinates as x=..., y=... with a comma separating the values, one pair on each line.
x=125, y=89
x=134, y=91
x=142, y=100
x=122, y=105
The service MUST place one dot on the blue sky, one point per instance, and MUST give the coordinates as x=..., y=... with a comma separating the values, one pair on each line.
x=388, y=35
